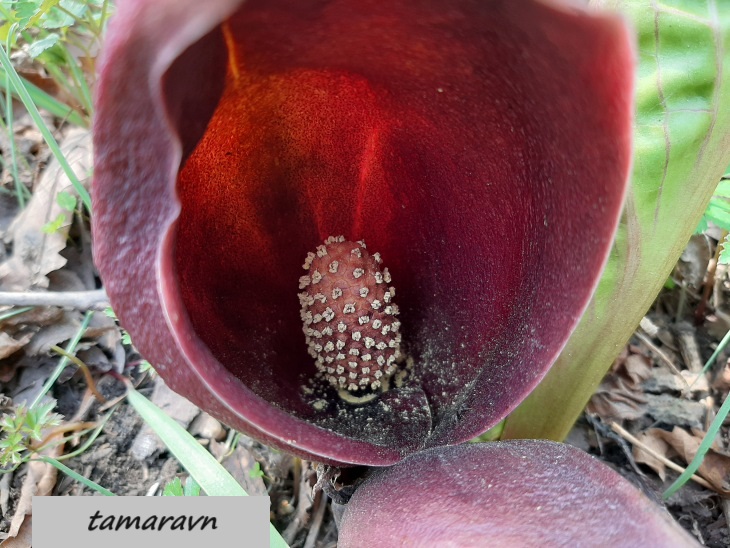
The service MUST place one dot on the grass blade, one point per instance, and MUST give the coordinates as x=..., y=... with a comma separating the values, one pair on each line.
x=78, y=477
x=47, y=102
x=701, y=450
x=200, y=464
x=19, y=188
x=206, y=471
x=42, y=127
x=70, y=348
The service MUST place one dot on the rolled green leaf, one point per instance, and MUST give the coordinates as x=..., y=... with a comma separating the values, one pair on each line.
x=681, y=149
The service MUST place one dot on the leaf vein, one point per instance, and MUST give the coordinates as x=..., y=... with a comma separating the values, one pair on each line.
x=665, y=122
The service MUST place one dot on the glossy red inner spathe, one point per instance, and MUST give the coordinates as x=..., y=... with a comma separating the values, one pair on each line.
x=462, y=141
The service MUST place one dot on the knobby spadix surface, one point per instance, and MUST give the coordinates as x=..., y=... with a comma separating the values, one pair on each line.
x=482, y=149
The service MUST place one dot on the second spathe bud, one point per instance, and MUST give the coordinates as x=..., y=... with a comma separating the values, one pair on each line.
x=350, y=319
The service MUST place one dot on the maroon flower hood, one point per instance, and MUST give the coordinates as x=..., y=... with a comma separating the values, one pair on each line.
x=481, y=147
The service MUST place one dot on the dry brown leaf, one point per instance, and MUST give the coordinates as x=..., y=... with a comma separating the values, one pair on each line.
x=39, y=481
x=653, y=439
x=36, y=331
x=8, y=211
x=49, y=85
x=692, y=265
x=104, y=331
x=695, y=382
x=9, y=345
x=7, y=371
x=94, y=358
x=79, y=274
x=636, y=368
x=65, y=279
x=715, y=467
x=717, y=324
x=30, y=378
x=620, y=395
x=617, y=405
x=240, y=464
x=40, y=316
x=664, y=380
x=27, y=140
x=5, y=481
x=24, y=538
x=36, y=252
x=62, y=330
x=722, y=382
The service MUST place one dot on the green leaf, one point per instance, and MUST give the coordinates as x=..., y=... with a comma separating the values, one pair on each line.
x=66, y=201
x=39, y=46
x=53, y=226
x=6, y=443
x=723, y=189
x=7, y=423
x=718, y=213
x=46, y=102
x=256, y=471
x=24, y=11
x=31, y=421
x=14, y=439
x=43, y=9
x=681, y=151
x=173, y=488
x=5, y=30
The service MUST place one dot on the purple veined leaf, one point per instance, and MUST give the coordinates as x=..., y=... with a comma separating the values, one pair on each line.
x=482, y=149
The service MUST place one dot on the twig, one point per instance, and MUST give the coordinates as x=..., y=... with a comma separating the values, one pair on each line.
x=601, y=428
x=661, y=355
x=321, y=506
x=685, y=337
x=91, y=385
x=668, y=463
x=709, y=282
x=717, y=296
x=302, y=516
x=82, y=300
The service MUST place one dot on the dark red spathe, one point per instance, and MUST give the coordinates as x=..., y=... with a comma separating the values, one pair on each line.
x=483, y=149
